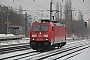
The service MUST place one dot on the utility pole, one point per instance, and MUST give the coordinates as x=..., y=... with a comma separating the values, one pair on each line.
x=60, y=12
x=26, y=27
x=51, y=10
x=57, y=12
x=71, y=22
x=26, y=35
x=7, y=22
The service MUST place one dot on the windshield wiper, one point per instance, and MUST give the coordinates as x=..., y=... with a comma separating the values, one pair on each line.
x=40, y=29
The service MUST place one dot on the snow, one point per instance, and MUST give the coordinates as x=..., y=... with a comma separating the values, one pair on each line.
x=5, y=35
x=15, y=53
x=8, y=42
x=64, y=53
x=84, y=55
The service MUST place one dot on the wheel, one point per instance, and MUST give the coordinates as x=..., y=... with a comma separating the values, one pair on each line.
x=59, y=45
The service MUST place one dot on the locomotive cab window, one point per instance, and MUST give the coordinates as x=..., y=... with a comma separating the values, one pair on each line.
x=40, y=28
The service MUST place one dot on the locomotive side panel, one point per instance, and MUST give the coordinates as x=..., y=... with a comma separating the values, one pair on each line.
x=59, y=34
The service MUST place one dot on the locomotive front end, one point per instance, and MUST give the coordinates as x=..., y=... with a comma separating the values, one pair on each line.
x=40, y=36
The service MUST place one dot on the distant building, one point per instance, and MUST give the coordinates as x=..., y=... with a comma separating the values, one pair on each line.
x=16, y=30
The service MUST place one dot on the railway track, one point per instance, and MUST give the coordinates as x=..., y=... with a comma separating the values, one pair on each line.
x=70, y=50
x=14, y=47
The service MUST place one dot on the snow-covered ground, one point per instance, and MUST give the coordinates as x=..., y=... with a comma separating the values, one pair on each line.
x=8, y=42
x=84, y=55
x=5, y=35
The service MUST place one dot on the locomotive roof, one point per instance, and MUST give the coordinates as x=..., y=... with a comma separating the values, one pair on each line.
x=58, y=24
x=47, y=21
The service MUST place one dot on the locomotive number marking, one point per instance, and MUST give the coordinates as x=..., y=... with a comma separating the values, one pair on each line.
x=39, y=35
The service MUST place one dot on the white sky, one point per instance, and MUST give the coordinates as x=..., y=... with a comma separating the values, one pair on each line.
x=31, y=7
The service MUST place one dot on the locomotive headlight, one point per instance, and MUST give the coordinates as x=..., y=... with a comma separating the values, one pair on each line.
x=34, y=35
x=40, y=33
x=33, y=39
x=46, y=39
x=45, y=35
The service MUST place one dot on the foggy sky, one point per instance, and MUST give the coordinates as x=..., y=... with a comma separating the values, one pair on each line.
x=32, y=6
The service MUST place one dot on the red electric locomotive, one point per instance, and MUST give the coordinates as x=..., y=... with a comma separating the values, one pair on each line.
x=46, y=34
